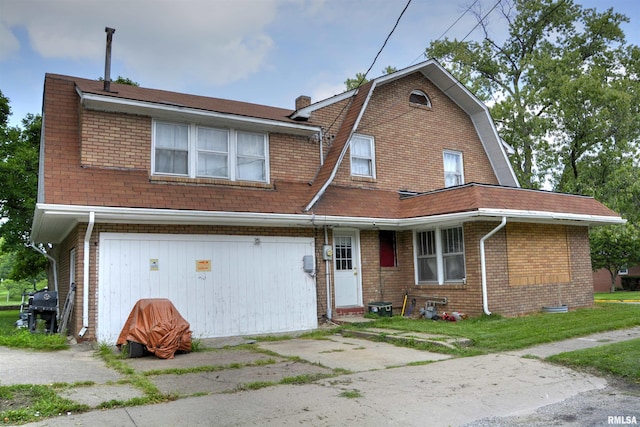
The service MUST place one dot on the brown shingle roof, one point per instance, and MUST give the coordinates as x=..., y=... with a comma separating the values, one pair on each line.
x=466, y=198
x=342, y=137
x=205, y=103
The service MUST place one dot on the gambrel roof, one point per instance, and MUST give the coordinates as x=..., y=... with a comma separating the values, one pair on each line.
x=441, y=78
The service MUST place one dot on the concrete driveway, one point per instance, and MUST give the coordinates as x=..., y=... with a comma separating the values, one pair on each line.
x=385, y=384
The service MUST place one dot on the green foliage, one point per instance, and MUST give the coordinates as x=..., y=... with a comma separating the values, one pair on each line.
x=351, y=394
x=614, y=248
x=564, y=86
x=19, y=150
x=10, y=336
x=361, y=79
x=16, y=288
x=122, y=80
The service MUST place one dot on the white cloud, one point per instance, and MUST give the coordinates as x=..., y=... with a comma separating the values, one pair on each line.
x=211, y=42
x=326, y=90
x=8, y=42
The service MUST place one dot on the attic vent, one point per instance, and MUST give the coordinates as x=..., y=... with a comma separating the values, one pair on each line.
x=302, y=101
x=420, y=98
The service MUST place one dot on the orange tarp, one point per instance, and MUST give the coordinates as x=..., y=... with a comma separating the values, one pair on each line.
x=156, y=324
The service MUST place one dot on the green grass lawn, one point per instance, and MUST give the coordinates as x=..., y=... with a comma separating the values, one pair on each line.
x=619, y=359
x=617, y=296
x=10, y=336
x=488, y=334
x=13, y=299
x=494, y=333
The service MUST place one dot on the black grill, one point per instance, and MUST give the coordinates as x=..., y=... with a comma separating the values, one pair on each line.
x=43, y=300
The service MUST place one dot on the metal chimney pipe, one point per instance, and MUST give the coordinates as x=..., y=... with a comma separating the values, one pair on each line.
x=107, y=60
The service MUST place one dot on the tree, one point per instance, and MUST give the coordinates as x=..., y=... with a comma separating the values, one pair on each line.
x=19, y=176
x=361, y=78
x=563, y=85
x=614, y=248
x=122, y=80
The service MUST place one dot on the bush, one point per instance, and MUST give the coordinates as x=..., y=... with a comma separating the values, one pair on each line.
x=630, y=283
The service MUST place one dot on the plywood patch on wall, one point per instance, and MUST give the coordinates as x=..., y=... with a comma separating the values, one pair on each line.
x=537, y=254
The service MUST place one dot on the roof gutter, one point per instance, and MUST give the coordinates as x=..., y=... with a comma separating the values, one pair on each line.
x=483, y=265
x=62, y=218
x=85, y=275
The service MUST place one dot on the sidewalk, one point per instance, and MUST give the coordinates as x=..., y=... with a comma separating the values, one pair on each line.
x=394, y=385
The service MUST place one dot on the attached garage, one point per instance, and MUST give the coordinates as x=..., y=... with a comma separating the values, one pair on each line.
x=222, y=285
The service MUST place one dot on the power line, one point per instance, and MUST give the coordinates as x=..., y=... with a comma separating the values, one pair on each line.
x=385, y=43
x=364, y=76
x=456, y=21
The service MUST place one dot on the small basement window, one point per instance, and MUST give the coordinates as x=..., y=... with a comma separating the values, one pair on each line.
x=420, y=98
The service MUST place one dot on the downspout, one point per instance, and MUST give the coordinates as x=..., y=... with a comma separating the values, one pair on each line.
x=327, y=275
x=321, y=137
x=85, y=275
x=483, y=265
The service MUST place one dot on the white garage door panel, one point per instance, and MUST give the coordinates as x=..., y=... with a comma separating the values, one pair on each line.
x=251, y=288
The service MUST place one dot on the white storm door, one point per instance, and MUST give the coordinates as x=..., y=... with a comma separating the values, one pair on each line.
x=346, y=257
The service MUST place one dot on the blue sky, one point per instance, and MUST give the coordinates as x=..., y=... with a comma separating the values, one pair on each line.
x=263, y=51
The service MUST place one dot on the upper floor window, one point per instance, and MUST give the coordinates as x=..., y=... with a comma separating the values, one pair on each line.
x=453, y=170
x=420, y=98
x=203, y=152
x=362, y=156
x=440, y=256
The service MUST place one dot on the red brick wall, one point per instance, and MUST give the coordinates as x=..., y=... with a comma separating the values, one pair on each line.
x=602, y=279
x=61, y=135
x=503, y=298
x=115, y=140
x=293, y=158
x=410, y=140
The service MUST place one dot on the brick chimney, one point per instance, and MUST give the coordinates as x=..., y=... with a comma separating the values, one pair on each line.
x=302, y=101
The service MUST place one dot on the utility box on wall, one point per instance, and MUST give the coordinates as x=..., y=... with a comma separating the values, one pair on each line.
x=327, y=253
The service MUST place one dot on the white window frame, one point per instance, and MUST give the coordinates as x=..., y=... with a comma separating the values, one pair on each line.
x=371, y=159
x=439, y=255
x=458, y=174
x=194, y=150
x=420, y=94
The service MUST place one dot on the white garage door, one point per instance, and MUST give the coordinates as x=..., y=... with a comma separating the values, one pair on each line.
x=222, y=285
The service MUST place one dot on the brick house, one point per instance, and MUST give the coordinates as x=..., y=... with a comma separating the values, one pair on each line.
x=255, y=219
